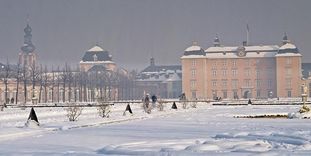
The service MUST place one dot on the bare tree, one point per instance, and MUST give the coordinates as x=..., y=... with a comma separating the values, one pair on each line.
x=25, y=80
x=75, y=84
x=160, y=105
x=6, y=81
x=18, y=78
x=73, y=111
x=34, y=77
x=41, y=82
x=45, y=83
x=70, y=78
x=53, y=83
x=103, y=108
x=5, y=76
x=64, y=82
x=84, y=82
x=58, y=83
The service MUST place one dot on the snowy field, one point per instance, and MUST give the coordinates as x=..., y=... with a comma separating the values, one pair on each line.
x=205, y=130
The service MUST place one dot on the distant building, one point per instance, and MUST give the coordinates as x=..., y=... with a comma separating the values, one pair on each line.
x=232, y=72
x=97, y=56
x=28, y=57
x=161, y=80
x=27, y=62
x=97, y=78
x=306, y=73
x=306, y=70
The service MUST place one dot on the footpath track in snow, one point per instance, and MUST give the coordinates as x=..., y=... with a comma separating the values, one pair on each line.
x=205, y=130
x=12, y=120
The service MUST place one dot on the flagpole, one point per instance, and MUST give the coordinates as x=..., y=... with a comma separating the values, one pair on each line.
x=247, y=35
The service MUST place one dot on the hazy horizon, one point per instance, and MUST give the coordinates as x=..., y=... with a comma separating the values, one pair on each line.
x=133, y=31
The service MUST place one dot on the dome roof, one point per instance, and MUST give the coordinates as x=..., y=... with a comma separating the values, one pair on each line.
x=96, y=53
x=194, y=50
x=288, y=48
x=96, y=48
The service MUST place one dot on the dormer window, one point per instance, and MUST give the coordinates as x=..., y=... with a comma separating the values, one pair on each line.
x=95, y=57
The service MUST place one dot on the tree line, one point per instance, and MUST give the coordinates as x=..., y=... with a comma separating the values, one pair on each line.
x=64, y=84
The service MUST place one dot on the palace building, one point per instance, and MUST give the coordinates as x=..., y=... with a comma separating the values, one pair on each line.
x=163, y=81
x=246, y=71
x=97, y=56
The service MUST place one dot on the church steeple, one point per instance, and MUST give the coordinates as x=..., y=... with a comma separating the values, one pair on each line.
x=27, y=57
x=28, y=47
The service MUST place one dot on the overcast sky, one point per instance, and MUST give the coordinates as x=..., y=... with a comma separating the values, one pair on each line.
x=135, y=30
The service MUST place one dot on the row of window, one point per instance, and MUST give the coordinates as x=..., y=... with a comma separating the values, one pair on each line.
x=247, y=72
x=247, y=62
x=259, y=94
x=246, y=83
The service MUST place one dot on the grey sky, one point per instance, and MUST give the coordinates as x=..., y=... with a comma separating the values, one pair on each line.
x=134, y=30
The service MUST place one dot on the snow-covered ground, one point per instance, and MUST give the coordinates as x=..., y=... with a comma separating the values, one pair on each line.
x=205, y=130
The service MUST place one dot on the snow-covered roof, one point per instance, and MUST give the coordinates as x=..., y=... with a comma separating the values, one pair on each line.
x=234, y=55
x=247, y=48
x=96, y=48
x=193, y=56
x=193, y=48
x=173, y=77
x=288, y=46
x=220, y=49
x=97, y=62
x=288, y=54
x=262, y=48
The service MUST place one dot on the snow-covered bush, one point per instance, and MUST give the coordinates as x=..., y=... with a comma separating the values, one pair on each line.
x=104, y=110
x=184, y=104
x=194, y=104
x=73, y=111
x=160, y=105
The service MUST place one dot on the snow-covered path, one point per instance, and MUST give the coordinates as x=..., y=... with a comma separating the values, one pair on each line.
x=207, y=130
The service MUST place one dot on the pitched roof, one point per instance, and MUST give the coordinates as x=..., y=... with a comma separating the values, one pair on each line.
x=154, y=68
x=247, y=48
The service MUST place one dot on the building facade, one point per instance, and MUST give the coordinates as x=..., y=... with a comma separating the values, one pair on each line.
x=234, y=72
x=161, y=80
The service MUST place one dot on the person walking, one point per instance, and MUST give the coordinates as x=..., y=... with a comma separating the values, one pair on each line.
x=146, y=104
x=154, y=100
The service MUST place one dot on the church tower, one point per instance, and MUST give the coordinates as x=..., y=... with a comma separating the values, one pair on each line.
x=27, y=57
